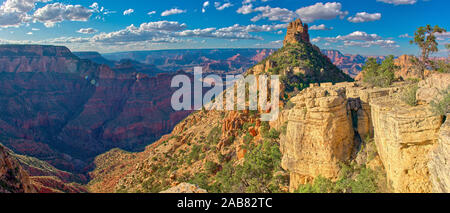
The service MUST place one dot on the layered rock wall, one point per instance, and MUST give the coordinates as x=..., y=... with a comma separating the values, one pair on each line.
x=440, y=161
x=404, y=137
x=319, y=135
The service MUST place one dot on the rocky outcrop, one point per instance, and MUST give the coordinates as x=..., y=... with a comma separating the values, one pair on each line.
x=319, y=135
x=404, y=136
x=296, y=32
x=433, y=88
x=13, y=179
x=185, y=188
x=440, y=161
x=407, y=70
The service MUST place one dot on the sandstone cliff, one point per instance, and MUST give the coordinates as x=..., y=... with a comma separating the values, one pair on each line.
x=296, y=32
x=404, y=136
x=439, y=164
x=319, y=135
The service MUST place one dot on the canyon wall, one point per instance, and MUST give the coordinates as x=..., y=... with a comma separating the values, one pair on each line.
x=319, y=135
x=65, y=110
x=440, y=161
x=13, y=179
x=411, y=141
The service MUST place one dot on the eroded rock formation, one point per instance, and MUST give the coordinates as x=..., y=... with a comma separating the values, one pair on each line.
x=319, y=135
x=296, y=32
x=440, y=161
x=404, y=136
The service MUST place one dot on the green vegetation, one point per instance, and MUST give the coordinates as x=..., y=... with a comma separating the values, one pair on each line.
x=409, y=95
x=365, y=181
x=214, y=135
x=308, y=59
x=195, y=154
x=425, y=38
x=255, y=175
x=442, y=107
x=211, y=167
x=380, y=75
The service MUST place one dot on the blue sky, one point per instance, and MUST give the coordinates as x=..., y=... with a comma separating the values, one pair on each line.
x=369, y=27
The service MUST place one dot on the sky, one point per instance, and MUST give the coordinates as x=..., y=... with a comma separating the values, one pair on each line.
x=366, y=27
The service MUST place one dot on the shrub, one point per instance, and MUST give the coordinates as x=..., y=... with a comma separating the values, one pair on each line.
x=256, y=174
x=211, y=167
x=365, y=181
x=289, y=105
x=380, y=75
x=273, y=134
x=442, y=107
x=214, y=136
x=409, y=95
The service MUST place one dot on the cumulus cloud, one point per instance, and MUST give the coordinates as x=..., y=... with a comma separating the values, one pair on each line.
x=442, y=36
x=233, y=32
x=51, y=14
x=398, y=2
x=15, y=12
x=267, y=12
x=172, y=12
x=205, y=5
x=364, y=17
x=359, y=38
x=151, y=31
x=87, y=30
x=128, y=12
x=166, y=32
x=223, y=6
x=320, y=27
x=320, y=11
x=151, y=13
x=406, y=35
x=245, y=9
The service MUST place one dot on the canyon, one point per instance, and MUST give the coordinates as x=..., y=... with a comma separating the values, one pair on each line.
x=112, y=128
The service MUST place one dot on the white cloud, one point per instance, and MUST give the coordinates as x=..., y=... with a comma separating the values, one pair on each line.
x=233, y=32
x=274, y=14
x=87, y=30
x=406, y=35
x=128, y=12
x=205, y=5
x=320, y=11
x=172, y=12
x=364, y=17
x=151, y=31
x=442, y=36
x=57, y=12
x=267, y=12
x=30, y=33
x=223, y=6
x=359, y=38
x=151, y=13
x=398, y=2
x=245, y=9
x=13, y=13
x=320, y=27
